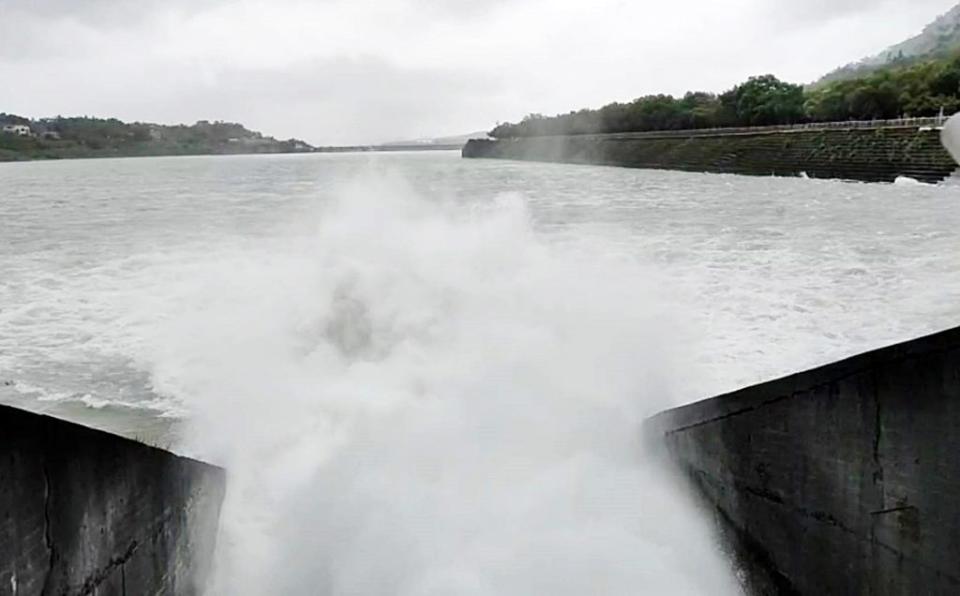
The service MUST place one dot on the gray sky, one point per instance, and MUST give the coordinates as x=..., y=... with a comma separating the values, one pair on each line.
x=357, y=71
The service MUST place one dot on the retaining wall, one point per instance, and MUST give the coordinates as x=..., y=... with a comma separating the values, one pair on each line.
x=841, y=480
x=877, y=154
x=86, y=512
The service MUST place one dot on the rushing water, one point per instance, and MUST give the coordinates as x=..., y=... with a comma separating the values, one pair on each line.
x=426, y=374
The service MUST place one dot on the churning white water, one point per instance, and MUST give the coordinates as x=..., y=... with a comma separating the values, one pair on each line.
x=427, y=375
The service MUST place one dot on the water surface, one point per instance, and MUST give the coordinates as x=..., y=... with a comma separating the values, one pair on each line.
x=771, y=275
x=426, y=375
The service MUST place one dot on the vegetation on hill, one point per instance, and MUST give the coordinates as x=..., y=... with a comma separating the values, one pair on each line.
x=916, y=89
x=55, y=138
x=937, y=40
x=760, y=101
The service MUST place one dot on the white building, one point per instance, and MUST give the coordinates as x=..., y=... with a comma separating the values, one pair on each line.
x=17, y=129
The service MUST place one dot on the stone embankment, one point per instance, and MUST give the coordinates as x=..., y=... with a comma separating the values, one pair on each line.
x=86, y=512
x=869, y=152
x=840, y=480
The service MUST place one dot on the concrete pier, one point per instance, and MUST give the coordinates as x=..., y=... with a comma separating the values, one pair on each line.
x=83, y=512
x=871, y=154
x=840, y=480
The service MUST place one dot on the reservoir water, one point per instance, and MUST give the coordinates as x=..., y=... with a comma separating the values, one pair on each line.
x=426, y=375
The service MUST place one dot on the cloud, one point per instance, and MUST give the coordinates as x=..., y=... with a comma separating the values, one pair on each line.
x=345, y=100
x=345, y=71
x=818, y=11
x=45, y=29
x=99, y=13
x=804, y=12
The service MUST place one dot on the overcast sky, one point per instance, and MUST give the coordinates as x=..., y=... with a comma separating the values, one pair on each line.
x=358, y=71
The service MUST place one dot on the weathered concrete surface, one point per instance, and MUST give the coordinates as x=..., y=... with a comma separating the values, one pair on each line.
x=840, y=480
x=86, y=512
x=879, y=154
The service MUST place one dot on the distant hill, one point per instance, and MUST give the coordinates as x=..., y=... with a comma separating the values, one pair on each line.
x=939, y=38
x=61, y=138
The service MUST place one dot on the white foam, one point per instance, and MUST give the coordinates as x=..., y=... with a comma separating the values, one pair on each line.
x=428, y=399
x=906, y=181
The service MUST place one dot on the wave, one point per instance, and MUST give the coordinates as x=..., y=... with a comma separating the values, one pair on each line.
x=163, y=407
x=425, y=397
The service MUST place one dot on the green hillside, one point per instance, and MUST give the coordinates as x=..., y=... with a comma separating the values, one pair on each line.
x=937, y=40
x=917, y=78
x=60, y=138
x=920, y=88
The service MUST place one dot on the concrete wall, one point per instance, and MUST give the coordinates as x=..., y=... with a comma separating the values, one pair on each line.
x=86, y=512
x=841, y=480
x=868, y=154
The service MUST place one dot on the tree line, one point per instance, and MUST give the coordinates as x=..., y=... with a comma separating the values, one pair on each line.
x=63, y=137
x=901, y=90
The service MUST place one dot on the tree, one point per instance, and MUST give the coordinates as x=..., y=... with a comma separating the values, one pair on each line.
x=828, y=104
x=766, y=100
x=869, y=102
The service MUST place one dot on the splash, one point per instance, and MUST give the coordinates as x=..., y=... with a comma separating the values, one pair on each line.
x=422, y=397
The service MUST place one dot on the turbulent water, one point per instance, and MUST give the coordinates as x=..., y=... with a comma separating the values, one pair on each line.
x=426, y=375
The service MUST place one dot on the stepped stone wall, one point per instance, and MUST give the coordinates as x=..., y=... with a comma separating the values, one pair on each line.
x=879, y=154
x=83, y=512
x=841, y=480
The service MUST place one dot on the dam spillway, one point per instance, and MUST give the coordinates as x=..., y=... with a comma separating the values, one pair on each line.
x=851, y=151
x=86, y=512
x=839, y=480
